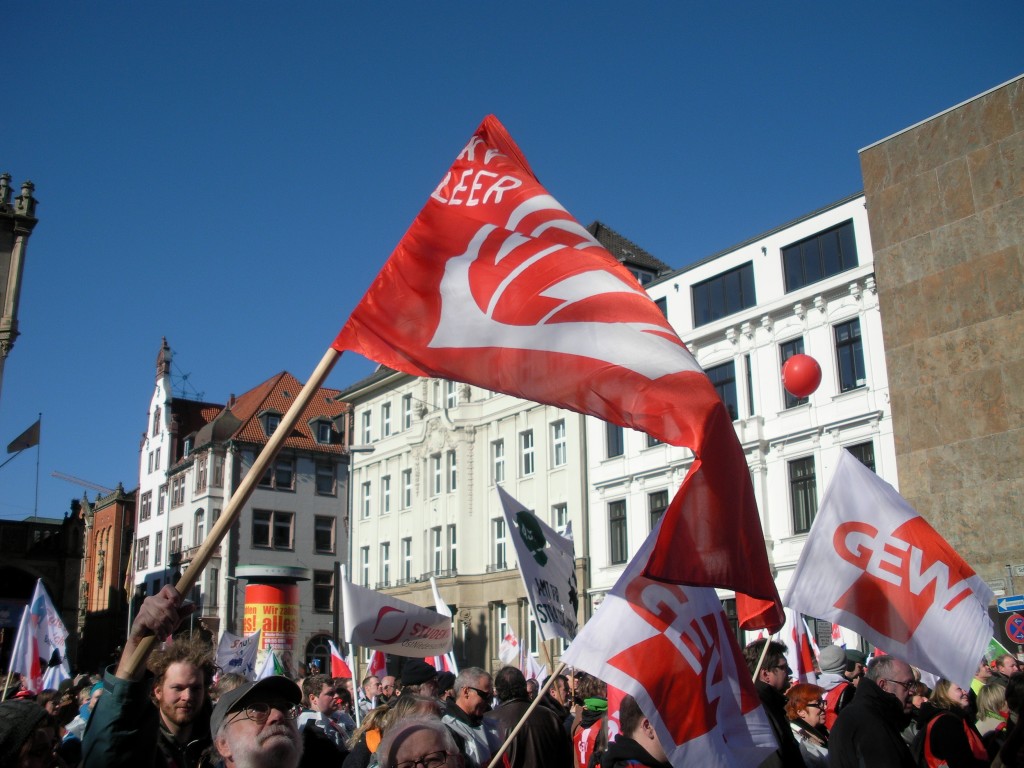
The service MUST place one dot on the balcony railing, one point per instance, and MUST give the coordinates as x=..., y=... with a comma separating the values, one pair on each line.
x=497, y=567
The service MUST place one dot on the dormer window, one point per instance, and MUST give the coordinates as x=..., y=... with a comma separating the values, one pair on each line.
x=187, y=447
x=323, y=432
x=271, y=421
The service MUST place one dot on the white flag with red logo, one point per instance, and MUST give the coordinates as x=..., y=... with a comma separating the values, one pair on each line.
x=873, y=564
x=801, y=650
x=672, y=649
x=378, y=664
x=387, y=624
x=496, y=284
x=508, y=649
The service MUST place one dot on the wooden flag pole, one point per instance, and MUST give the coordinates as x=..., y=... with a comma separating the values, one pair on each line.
x=526, y=714
x=239, y=498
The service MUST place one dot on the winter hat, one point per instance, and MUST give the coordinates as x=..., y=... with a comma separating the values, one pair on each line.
x=832, y=659
x=416, y=672
x=18, y=720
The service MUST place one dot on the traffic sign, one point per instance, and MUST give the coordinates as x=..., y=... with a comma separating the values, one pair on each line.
x=1015, y=628
x=1010, y=604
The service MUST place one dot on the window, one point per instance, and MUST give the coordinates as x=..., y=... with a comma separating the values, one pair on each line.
x=498, y=461
x=272, y=530
x=177, y=491
x=532, y=644
x=407, y=560
x=436, y=549
x=161, y=499
x=723, y=294
x=864, y=453
x=385, y=494
x=559, y=448
x=501, y=622
x=323, y=535
x=385, y=420
x=615, y=440
x=617, y=531
x=364, y=566
x=326, y=479
x=819, y=256
x=453, y=472
x=723, y=377
x=652, y=441
x=145, y=506
x=560, y=517
x=198, y=527
x=186, y=448
x=174, y=540
x=662, y=304
x=803, y=493
x=271, y=421
x=201, y=471
x=451, y=394
x=149, y=464
x=323, y=591
x=435, y=474
x=280, y=476
x=750, y=385
x=156, y=422
x=453, y=560
x=158, y=550
x=385, y=564
x=142, y=554
x=406, y=488
x=406, y=411
x=367, y=500
x=850, y=356
x=156, y=460
x=786, y=351
x=323, y=432
x=527, y=457
x=213, y=588
x=657, y=503
x=500, y=544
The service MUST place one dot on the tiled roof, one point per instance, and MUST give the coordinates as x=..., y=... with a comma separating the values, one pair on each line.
x=277, y=394
x=626, y=250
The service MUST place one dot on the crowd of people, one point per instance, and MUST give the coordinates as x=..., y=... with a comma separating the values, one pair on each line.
x=880, y=714
x=176, y=712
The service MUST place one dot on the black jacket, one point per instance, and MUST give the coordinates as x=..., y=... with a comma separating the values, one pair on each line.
x=867, y=732
x=625, y=752
x=788, y=754
x=541, y=742
x=948, y=738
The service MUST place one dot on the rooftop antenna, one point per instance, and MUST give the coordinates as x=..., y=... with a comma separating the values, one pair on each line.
x=180, y=384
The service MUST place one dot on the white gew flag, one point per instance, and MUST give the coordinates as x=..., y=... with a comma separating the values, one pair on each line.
x=873, y=564
x=548, y=567
x=387, y=624
x=508, y=649
x=237, y=654
x=446, y=662
x=671, y=648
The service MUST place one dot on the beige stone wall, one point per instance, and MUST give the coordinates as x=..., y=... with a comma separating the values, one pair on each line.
x=946, y=208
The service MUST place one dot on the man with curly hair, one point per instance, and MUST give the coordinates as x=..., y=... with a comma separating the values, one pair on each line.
x=159, y=717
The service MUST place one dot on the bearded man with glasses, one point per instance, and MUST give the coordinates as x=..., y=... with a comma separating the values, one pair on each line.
x=254, y=726
x=868, y=731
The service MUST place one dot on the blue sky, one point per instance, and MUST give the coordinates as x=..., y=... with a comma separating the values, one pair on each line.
x=233, y=175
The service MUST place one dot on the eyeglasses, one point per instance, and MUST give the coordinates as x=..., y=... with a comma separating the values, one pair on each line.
x=432, y=760
x=906, y=686
x=817, y=704
x=478, y=692
x=259, y=711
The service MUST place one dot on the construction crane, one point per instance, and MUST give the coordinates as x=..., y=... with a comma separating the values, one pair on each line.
x=83, y=483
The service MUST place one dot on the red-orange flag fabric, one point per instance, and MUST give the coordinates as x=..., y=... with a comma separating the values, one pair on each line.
x=497, y=285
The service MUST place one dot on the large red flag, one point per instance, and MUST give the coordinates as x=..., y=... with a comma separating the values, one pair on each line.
x=497, y=285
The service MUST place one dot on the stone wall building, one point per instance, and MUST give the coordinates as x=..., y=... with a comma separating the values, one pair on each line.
x=946, y=204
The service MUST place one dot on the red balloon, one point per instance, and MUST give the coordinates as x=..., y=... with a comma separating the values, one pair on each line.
x=801, y=375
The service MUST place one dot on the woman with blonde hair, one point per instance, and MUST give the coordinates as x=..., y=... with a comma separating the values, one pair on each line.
x=949, y=737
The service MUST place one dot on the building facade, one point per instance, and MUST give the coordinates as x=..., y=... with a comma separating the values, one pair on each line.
x=193, y=457
x=805, y=287
x=946, y=201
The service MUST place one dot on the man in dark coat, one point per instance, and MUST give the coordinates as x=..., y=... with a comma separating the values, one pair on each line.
x=771, y=683
x=868, y=730
x=637, y=744
x=542, y=741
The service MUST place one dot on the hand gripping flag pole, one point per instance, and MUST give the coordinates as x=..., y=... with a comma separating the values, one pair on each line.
x=241, y=496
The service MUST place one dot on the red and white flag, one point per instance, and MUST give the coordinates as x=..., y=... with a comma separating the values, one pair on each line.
x=801, y=651
x=508, y=649
x=671, y=648
x=387, y=624
x=873, y=564
x=496, y=284
x=339, y=667
x=40, y=633
x=378, y=664
x=446, y=662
